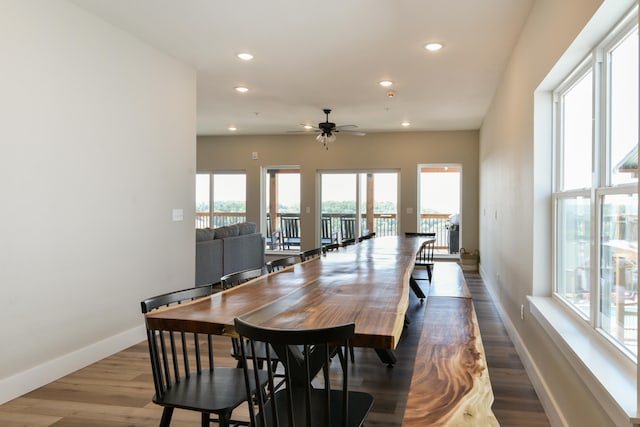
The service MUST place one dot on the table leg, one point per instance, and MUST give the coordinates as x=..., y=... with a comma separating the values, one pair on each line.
x=416, y=289
x=386, y=356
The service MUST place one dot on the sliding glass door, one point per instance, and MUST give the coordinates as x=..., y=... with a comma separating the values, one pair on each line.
x=439, y=197
x=282, y=207
x=353, y=204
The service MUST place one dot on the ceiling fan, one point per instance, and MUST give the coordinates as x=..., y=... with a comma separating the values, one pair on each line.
x=327, y=130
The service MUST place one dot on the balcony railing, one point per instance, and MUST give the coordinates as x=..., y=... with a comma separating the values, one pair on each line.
x=436, y=223
x=383, y=224
x=220, y=219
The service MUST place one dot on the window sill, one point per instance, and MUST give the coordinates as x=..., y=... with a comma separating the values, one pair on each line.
x=609, y=376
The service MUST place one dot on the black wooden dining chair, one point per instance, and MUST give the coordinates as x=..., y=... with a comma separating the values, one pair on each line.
x=311, y=253
x=330, y=247
x=305, y=353
x=229, y=281
x=183, y=369
x=425, y=256
x=279, y=264
x=232, y=279
x=348, y=242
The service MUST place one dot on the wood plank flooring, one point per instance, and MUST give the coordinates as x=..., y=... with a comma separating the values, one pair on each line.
x=117, y=391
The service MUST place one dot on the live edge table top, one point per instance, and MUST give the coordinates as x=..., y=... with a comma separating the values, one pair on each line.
x=366, y=283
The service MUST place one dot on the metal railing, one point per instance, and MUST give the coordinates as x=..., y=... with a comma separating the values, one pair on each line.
x=436, y=223
x=220, y=219
x=383, y=224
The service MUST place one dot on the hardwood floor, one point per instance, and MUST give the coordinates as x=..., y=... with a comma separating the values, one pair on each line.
x=117, y=391
x=515, y=400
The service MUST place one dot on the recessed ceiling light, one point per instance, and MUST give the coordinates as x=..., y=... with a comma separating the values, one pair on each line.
x=385, y=83
x=245, y=56
x=308, y=127
x=405, y=124
x=232, y=128
x=433, y=46
x=241, y=89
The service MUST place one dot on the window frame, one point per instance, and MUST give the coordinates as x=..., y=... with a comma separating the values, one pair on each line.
x=598, y=62
x=211, y=174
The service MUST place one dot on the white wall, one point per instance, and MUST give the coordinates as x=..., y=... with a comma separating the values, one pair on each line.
x=515, y=208
x=97, y=146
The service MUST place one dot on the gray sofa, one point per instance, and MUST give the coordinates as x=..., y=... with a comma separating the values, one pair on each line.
x=225, y=250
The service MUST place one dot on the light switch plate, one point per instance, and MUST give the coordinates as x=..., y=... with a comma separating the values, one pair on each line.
x=177, y=214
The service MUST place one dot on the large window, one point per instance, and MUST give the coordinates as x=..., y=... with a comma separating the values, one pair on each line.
x=220, y=199
x=595, y=195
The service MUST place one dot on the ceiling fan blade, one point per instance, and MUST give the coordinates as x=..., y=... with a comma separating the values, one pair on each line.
x=303, y=132
x=352, y=132
x=346, y=127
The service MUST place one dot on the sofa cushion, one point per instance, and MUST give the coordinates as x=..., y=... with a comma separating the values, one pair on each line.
x=247, y=227
x=209, y=263
x=243, y=252
x=227, y=231
x=203, y=234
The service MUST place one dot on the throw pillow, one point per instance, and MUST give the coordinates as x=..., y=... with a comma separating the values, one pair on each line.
x=203, y=234
x=227, y=231
x=247, y=227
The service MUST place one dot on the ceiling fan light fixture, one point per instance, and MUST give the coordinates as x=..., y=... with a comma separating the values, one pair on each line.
x=325, y=139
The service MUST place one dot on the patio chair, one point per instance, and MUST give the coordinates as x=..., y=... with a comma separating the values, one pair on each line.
x=290, y=231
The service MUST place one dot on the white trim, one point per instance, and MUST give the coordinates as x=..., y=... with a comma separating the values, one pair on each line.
x=551, y=409
x=608, y=377
x=29, y=380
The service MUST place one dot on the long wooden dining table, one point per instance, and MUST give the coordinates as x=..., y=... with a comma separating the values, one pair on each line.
x=366, y=283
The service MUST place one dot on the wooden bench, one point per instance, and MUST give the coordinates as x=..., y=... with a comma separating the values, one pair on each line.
x=450, y=384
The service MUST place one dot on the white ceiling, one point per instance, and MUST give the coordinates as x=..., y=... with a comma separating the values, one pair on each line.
x=312, y=54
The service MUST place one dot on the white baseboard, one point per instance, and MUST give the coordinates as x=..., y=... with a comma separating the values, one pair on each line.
x=26, y=381
x=552, y=410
